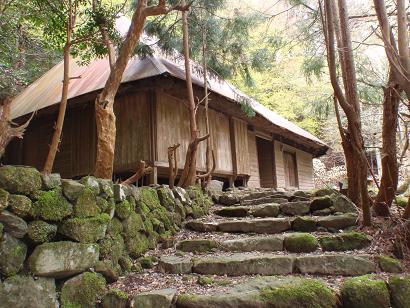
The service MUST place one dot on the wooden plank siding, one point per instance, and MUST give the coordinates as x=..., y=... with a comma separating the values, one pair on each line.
x=240, y=135
x=173, y=127
x=304, y=166
x=254, y=180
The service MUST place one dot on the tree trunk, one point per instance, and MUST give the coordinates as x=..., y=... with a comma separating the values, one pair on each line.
x=189, y=176
x=390, y=171
x=406, y=214
x=56, y=139
x=104, y=103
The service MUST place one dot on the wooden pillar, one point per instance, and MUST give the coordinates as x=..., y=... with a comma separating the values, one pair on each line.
x=233, y=151
x=153, y=176
x=275, y=178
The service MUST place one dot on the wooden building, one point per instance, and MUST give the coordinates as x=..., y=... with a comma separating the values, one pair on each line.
x=265, y=150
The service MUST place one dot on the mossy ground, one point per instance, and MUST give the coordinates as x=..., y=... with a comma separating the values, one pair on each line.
x=365, y=292
x=300, y=293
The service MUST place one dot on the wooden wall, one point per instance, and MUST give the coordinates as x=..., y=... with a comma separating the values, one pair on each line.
x=241, y=152
x=266, y=161
x=172, y=127
x=254, y=180
x=304, y=166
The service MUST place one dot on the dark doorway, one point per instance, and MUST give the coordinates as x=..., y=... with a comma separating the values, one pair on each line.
x=291, y=171
x=266, y=159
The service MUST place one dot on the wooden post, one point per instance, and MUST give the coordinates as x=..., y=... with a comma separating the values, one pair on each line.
x=153, y=176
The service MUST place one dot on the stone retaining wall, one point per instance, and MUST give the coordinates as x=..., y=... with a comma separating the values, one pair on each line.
x=78, y=235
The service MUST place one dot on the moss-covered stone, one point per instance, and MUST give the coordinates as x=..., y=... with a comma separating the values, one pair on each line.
x=199, y=245
x=115, y=298
x=4, y=199
x=40, y=232
x=299, y=293
x=364, y=292
x=115, y=227
x=83, y=291
x=304, y=224
x=20, y=180
x=166, y=198
x=389, y=265
x=123, y=210
x=71, y=189
x=345, y=241
x=301, y=242
x=320, y=203
x=86, y=204
x=137, y=244
x=112, y=248
x=91, y=183
x=126, y=263
x=102, y=204
x=149, y=198
x=323, y=192
x=165, y=219
x=402, y=201
x=13, y=224
x=399, y=287
x=205, y=281
x=133, y=225
x=109, y=269
x=51, y=181
x=147, y=262
x=20, y=205
x=85, y=230
x=51, y=205
x=106, y=188
x=12, y=255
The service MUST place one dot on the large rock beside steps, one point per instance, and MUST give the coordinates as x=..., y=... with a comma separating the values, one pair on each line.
x=20, y=180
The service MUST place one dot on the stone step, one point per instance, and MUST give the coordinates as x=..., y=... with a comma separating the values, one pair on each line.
x=276, y=225
x=257, y=197
x=267, y=264
x=290, y=292
x=291, y=242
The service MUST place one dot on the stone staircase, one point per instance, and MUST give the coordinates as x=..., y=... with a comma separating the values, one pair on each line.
x=277, y=249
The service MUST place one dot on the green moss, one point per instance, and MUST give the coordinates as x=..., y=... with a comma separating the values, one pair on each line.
x=123, y=210
x=126, y=263
x=301, y=242
x=112, y=248
x=133, y=203
x=364, y=292
x=86, y=205
x=20, y=180
x=102, y=204
x=223, y=282
x=85, y=230
x=402, y=201
x=91, y=183
x=20, y=205
x=40, y=232
x=389, y=265
x=300, y=293
x=149, y=197
x=118, y=293
x=163, y=216
x=115, y=227
x=166, y=198
x=137, y=244
x=147, y=262
x=4, y=199
x=304, y=224
x=133, y=225
x=51, y=205
x=205, y=281
x=83, y=291
x=399, y=291
x=323, y=192
x=345, y=241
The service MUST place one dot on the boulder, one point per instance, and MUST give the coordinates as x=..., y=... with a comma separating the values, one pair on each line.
x=25, y=291
x=166, y=198
x=264, y=225
x=12, y=255
x=266, y=292
x=364, y=292
x=51, y=181
x=119, y=192
x=51, y=206
x=13, y=224
x=115, y=298
x=175, y=265
x=228, y=199
x=200, y=245
x=338, y=222
x=389, y=265
x=304, y=224
x=85, y=230
x=91, y=183
x=20, y=205
x=71, y=189
x=182, y=195
x=342, y=204
x=40, y=232
x=399, y=287
x=106, y=188
x=301, y=193
x=137, y=244
x=345, y=265
x=297, y=208
x=20, y=180
x=265, y=210
x=320, y=203
x=244, y=264
x=4, y=199
x=158, y=299
x=301, y=242
x=84, y=290
x=233, y=211
x=86, y=204
x=62, y=259
x=258, y=243
x=345, y=241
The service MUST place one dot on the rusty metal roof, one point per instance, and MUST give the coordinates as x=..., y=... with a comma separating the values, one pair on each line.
x=46, y=91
